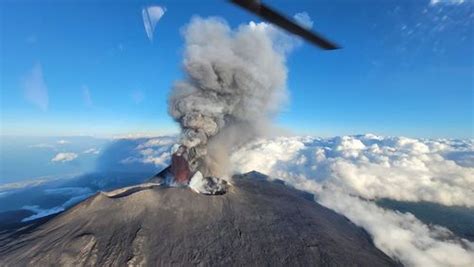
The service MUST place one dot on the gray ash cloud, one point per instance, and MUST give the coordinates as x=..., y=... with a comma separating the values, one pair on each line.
x=235, y=82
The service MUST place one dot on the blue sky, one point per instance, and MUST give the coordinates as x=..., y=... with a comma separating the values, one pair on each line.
x=406, y=67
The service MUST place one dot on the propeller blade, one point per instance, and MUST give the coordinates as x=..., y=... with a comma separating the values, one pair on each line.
x=274, y=17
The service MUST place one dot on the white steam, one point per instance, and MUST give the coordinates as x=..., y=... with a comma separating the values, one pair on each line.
x=235, y=82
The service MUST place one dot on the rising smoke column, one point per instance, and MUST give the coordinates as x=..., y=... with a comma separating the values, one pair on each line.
x=235, y=83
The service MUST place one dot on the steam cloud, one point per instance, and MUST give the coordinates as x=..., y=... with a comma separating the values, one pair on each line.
x=235, y=82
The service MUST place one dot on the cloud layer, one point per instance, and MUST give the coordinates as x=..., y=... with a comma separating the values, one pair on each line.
x=347, y=173
x=401, y=235
x=368, y=166
x=156, y=151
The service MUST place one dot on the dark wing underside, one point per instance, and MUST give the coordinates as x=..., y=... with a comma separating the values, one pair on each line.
x=272, y=16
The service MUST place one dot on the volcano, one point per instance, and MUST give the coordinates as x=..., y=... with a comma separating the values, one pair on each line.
x=256, y=222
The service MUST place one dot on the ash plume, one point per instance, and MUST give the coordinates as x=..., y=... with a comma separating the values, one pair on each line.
x=235, y=83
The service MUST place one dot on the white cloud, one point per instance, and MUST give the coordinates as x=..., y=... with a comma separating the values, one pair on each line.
x=39, y=212
x=158, y=158
x=157, y=142
x=155, y=151
x=86, y=94
x=304, y=20
x=64, y=157
x=131, y=136
x=283, y=41
x=401, y=235
x=447, y=2
x=63, y=142
x=76, y=194
x=35, y=89
x=151, y=15
x=93, y=150
x=346, y=173
x=397, y=168
x=5, y=188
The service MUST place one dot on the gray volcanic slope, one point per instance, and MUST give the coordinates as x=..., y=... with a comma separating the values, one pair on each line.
x=256, y=223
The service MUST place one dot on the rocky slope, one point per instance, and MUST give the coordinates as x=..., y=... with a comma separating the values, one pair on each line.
x=256, y=222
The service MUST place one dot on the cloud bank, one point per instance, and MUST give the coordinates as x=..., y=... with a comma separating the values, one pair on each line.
x=347, y=173
x=401, y=235
x=156, y=151
x=368, y=166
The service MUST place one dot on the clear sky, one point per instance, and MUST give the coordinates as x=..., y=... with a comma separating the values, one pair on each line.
x=88, y=67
